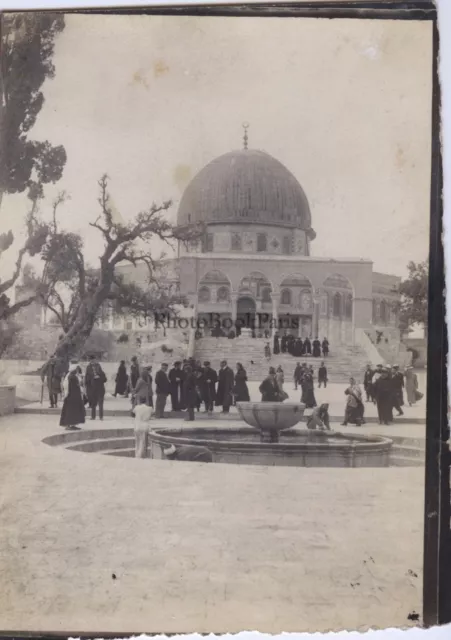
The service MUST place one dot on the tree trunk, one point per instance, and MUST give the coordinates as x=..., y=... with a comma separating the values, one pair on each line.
x=71, y=344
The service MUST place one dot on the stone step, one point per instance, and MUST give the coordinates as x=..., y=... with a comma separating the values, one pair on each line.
x=396, y=461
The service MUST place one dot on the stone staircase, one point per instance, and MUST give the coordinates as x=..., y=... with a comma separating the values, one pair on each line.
x=343, y=361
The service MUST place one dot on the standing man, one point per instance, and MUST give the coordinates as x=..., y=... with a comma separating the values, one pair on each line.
x=368, y=383
x=163, y=389
x=276, y=344
x=297, y=376
x=322, y=376
x=398, y=385
x=176, y=378
x=383, y=394
x=284, y=342
x=307, y=347
x=226, y=379
x=52, y=371
x=190, y=396
x=134, y=373
x=208, y=386
x=95, y=379
x=325, y=347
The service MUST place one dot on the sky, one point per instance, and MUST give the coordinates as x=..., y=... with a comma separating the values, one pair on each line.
x=149, y=100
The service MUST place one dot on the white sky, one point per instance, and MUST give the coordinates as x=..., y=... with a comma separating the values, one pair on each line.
x=344, y=104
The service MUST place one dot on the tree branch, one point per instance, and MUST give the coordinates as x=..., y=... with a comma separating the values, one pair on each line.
x=10, y=311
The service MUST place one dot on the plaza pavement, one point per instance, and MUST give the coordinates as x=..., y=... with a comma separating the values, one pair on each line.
x=105, y=544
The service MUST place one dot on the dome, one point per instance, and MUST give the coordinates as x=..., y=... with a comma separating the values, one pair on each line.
x=243, y=187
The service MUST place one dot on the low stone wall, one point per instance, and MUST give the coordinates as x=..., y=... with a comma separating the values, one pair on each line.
x=7, y=399
x=10, y=368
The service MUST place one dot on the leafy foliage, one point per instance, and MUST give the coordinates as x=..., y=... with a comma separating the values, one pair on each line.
x=413, y=307
x=36, y=236
x=27, y=50
x=98, y=343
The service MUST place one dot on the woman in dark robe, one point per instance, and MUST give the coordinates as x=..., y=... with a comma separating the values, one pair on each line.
x=134, y=374
x=73, y=411
x=308, y=393
x=316, y=348
x=269, y=388
x=121, y=380
x=325, y=347
x=240, y=390
x=298, y=347
x=276, y=345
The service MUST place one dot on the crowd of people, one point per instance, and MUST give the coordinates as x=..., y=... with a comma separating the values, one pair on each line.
x=295, y=346
x=191, y=385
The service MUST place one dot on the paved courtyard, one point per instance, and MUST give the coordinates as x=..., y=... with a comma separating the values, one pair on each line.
x=99, y=543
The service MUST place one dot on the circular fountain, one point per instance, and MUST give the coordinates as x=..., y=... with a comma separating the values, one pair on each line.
x=271, y=440
x=270, y=418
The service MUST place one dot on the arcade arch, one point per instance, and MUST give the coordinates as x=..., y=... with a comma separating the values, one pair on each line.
x=296, y=301
x=337, y=317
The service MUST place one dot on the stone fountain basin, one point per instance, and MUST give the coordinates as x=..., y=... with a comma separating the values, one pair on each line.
x=271, y=416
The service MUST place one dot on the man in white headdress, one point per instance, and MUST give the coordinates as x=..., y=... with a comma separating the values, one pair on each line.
x=143, y=414
x=188, y=453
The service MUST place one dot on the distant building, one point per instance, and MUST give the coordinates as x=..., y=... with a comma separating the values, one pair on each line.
x=254, y=260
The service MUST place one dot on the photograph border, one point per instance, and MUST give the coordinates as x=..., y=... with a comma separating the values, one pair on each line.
x=437, y=509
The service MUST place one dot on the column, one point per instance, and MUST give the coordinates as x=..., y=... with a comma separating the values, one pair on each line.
x=275, y=311
x=315, y=327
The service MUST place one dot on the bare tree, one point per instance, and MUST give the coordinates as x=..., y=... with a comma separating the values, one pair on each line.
x=76, y=292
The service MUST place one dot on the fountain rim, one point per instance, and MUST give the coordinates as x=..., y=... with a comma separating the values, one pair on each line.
x=267, y=405
x=361, y=442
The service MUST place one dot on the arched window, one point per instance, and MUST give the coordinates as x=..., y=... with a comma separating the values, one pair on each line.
x=223, y=294
x=204, y=294
x=262, y=242
x=266, y=294
x=348, y=306
x=285, y=297
x=236, y=242
x=337, y=305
